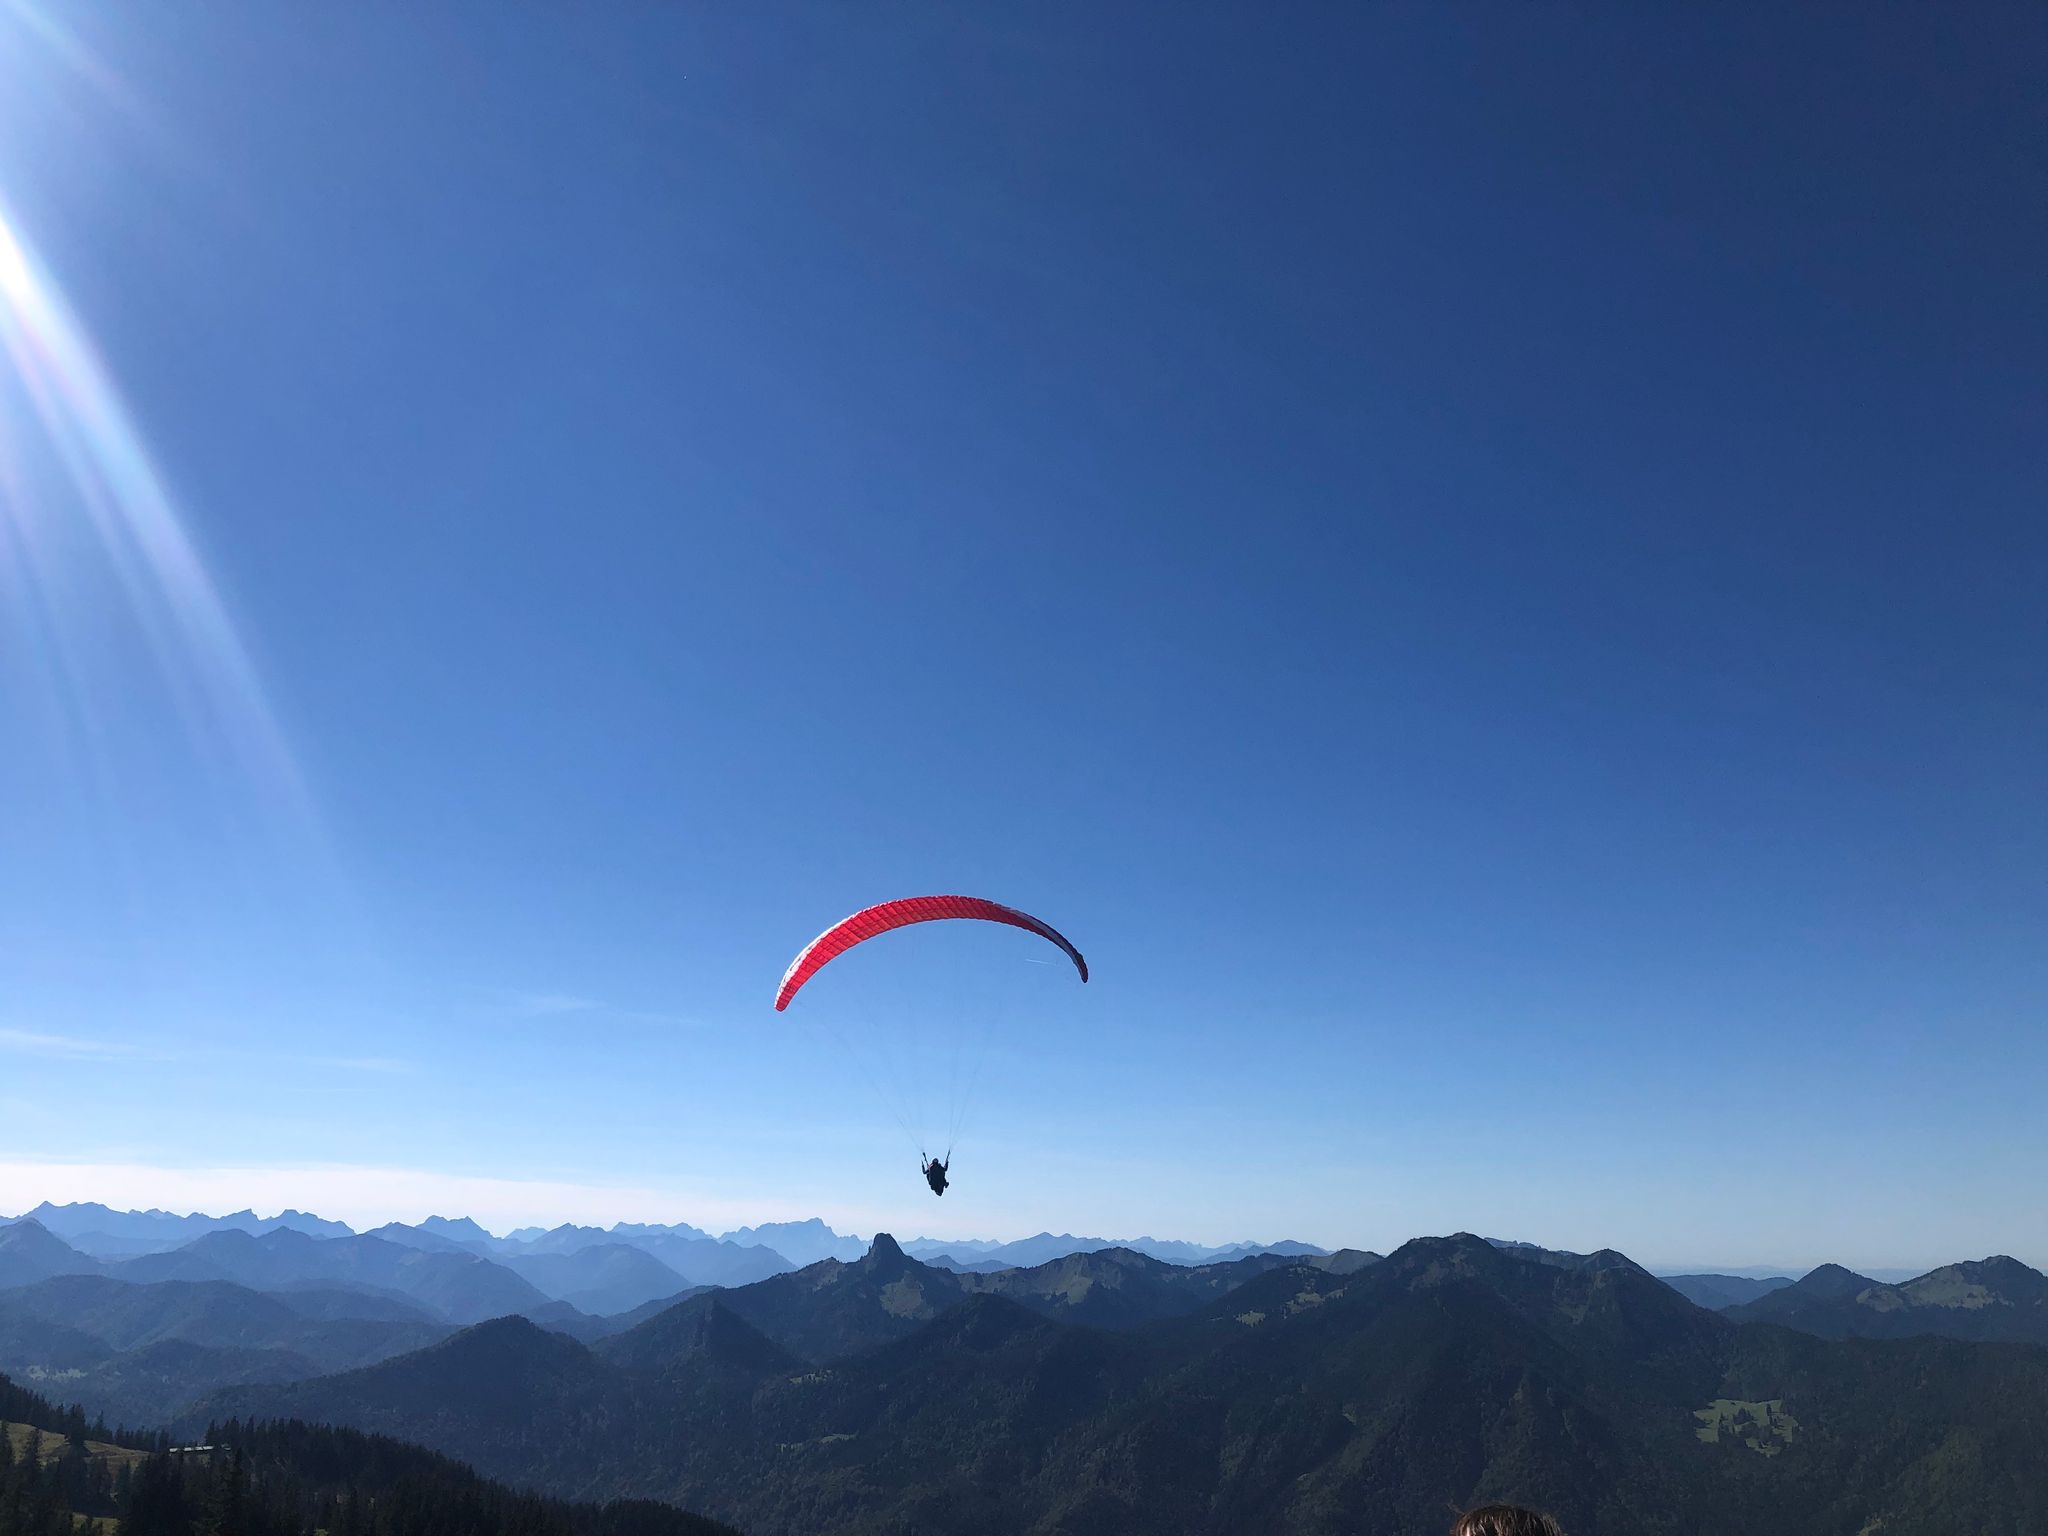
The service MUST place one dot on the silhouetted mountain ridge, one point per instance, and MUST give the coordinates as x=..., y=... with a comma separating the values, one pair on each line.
x=738, y=1257
x=1997, y=1299
x=462, y=1287
x=1302, y=1400
x=138, y=1353
x=106, y=1233
x=29, y=1251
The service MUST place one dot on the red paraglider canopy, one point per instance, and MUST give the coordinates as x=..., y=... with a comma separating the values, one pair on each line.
x=869, y=921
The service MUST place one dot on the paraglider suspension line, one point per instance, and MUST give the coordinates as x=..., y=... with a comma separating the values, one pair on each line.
x=889, y=1101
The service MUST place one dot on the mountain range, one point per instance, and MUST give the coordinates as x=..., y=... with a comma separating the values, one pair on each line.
x=245, y=1300
x=1109, y=1392
x=734, y=1258
x=107, y=1233
x=1997, y=1299
x=140, y=1352
x=831, y=1309
x=1104, y=1389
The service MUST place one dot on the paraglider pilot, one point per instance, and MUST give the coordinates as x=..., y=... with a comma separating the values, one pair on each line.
x=935, y=1175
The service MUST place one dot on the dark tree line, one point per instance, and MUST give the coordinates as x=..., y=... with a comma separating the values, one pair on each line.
x=39, y=1496
x=48, y=1474
x=18, y=1405
x=274, y=1479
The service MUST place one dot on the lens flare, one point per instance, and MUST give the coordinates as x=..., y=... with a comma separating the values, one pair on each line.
x=117, y=490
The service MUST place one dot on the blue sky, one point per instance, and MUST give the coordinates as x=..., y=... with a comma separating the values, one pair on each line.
x=1487, y=567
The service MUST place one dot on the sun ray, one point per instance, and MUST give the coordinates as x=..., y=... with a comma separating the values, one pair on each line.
x=120, y=494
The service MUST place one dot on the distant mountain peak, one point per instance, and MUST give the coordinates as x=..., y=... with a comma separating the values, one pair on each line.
x=30, y=1251
x=1832, y=1280
x=884, y=1255
x=279, y=1237
x=500, y=1343
x=28, y=1234
x=1459, y=1245
x=1975, y=1284
x=1996, y=1299
x=460, y=1227
x=803, y=1242
x=720, y=1335
x=669, y=1229
x=512, y=1326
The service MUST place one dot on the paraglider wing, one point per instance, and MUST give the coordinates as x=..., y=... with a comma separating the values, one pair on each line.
x=869, y=921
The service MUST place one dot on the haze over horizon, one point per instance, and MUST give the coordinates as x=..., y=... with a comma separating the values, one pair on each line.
x=1489, y=578
x=371, y=1219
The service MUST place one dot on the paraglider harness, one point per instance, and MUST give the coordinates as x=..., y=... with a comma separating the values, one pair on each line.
x=935, y=1175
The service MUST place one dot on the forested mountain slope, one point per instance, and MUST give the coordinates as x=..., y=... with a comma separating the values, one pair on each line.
x=1301, y=1401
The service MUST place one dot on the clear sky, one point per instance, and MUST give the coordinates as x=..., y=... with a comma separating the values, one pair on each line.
x=1487, y=564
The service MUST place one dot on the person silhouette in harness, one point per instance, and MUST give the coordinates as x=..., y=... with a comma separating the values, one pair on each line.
x=935, y=1175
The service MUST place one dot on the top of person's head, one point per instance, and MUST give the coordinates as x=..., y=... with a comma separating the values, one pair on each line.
x=1505, y=1520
